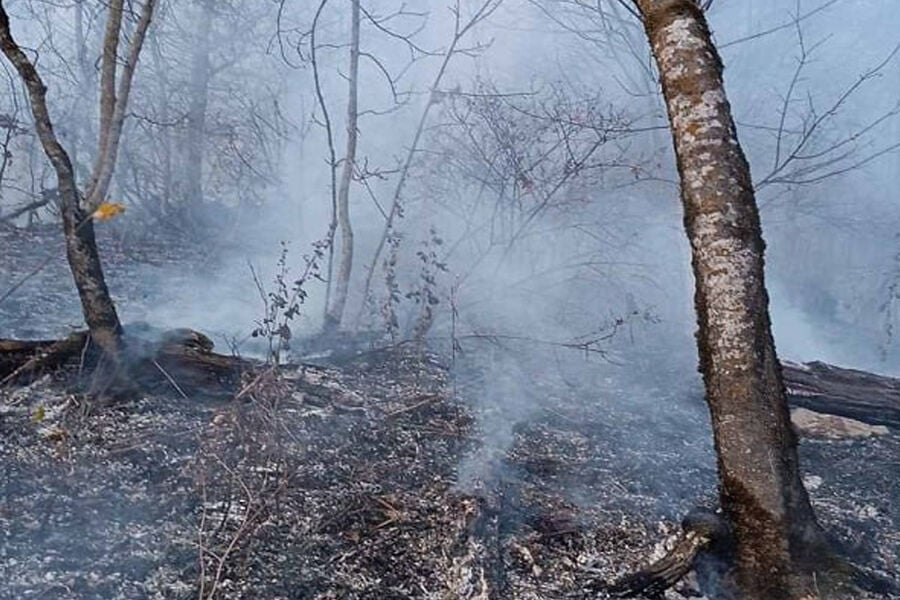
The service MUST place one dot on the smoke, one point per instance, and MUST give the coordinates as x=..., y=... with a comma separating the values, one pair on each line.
x=831, y=242
x=529, y=285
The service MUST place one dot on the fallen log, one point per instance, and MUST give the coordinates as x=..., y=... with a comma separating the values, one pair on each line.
x=182, y=359
x=705, y=544
x=22, y=359
x=859, y=395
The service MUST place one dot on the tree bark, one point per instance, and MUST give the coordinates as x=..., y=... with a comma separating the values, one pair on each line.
x=777, y=534
x=336, y=311
x=113, y=103
x=109, y=58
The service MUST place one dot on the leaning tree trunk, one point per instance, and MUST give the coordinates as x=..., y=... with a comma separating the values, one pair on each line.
x=81, y=247
x=336, y=311
x=761, y=491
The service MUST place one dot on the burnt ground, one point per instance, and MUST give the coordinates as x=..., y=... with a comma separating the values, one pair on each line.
x=378, y=475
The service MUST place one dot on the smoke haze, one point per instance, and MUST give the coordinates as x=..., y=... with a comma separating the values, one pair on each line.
x=571, y=258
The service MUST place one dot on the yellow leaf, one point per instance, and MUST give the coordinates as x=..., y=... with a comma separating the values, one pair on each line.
x=39, y=414
x=108, y=210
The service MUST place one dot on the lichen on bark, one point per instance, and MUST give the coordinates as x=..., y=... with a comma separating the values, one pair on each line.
x=761, y=490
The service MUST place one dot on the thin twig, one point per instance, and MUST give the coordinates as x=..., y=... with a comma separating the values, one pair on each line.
x=427, y=399
x=170, y=379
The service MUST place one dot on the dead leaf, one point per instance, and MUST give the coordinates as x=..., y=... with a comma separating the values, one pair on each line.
x=108, y=210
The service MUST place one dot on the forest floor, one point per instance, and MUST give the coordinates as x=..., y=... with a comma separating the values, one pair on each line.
x=376, y=475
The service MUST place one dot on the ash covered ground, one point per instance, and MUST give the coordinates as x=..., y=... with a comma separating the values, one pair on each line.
x=381, y=474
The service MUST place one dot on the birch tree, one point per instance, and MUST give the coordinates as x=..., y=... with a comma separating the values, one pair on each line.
x=779, y=540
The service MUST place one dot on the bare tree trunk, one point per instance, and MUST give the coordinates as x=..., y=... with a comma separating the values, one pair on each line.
x=339, y=301
x=81, y=247
x=112, y=120
x=84, y=86
x=192, y=175
x=108, y=69
x=777, y=534
x=332, y=157
x=161, y=69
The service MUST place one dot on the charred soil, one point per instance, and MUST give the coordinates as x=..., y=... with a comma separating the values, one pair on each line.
x=369, y=477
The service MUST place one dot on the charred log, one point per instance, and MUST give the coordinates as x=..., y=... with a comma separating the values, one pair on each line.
x=705, y=544
x=21, y=360
x=180, y=359
x=187, y=355
x=850, y=393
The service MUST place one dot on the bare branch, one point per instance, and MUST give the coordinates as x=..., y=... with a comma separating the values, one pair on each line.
x=801, y=150
x=792, y=23
x=460, y=29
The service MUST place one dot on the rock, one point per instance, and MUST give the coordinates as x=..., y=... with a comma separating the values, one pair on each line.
x=812, y=482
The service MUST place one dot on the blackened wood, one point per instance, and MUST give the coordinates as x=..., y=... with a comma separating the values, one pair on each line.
x=850, y=393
